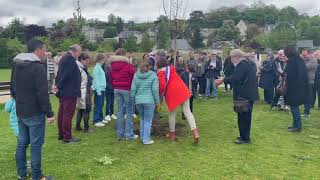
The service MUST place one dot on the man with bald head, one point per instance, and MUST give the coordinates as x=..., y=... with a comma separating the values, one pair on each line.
x=245, y=91
x=67, y=89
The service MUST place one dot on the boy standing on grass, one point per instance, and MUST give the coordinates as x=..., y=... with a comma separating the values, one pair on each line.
x=30, y=90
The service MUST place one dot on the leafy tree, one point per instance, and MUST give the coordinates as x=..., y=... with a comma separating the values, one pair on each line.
x=131, y=44
x=278, y=39
x=64, y=46
x=112, y=19
x=197, y=40
x=228, y=31
x=196, y=19
x=15, y=29
x=146, y=44
x=119, y=24
x=289, y=14
x=110, y=32
x=15, y=45
x=47, y=42
x=33, y=30
x=163, y=36
x=252, y=31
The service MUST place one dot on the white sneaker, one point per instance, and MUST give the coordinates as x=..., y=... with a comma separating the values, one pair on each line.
x=99, y=124
x=148, y=143
x=134, y=116
x=114, y=117
x=133, y=138
x=108, y=118
x=105, y=122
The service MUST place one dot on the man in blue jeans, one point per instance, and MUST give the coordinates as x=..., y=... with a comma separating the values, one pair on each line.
x=30, y=89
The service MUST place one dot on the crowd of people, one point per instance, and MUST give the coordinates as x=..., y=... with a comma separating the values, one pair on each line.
x=140, y=87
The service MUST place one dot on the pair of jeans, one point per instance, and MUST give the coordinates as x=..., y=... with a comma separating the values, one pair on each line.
x=98, y=105
x=296, y=117
x=110, y=102
x=146, y=116
x=31, y=131
x=202, y=85
x=268, y=95
x=211, y=83
x=244, y=124
x=67, y=109
x=125, y=106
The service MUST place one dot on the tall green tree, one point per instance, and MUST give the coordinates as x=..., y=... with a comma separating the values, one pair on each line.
x=131, y=44
x=146, y=44
x=228, y=31
x=15, y=29
x=197, y=40
x=163, y=36
x=110, y=32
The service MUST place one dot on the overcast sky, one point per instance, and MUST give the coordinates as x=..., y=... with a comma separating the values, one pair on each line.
x=44, y=12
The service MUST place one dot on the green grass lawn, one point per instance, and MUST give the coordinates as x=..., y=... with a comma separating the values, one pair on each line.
x=274, y=154
x=5, y=75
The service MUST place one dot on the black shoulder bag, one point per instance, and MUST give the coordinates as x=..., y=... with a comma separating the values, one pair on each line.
x=241, y=105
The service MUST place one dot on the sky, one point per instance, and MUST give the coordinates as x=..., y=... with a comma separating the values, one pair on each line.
x=45, y=12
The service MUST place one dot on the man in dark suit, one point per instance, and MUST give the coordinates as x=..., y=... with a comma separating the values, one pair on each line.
x=245, y=86
x=68, y=82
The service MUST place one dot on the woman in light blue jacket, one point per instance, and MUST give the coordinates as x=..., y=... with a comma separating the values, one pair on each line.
x=99, y=87
x=11, y=108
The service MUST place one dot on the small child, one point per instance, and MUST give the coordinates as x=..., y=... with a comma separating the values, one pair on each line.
x=190, y=78
x=10, y=107
x=99, y=87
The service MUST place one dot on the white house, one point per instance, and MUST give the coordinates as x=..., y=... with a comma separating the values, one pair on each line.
x=243, y=27
x=93, y=34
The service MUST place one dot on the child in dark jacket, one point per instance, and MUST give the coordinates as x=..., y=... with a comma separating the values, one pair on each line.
x=109, y=93
x=190, y=78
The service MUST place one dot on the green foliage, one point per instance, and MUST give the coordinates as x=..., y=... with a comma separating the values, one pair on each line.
x=47, y=42
x=278, y=39
x=163, y=36
x=146, y=44
x=110, y=32
x=67, y=43
x=15, y=29
x=131, y=44
x=197, y=40
x=9, y=48
x=228, y=31
x=106, y=46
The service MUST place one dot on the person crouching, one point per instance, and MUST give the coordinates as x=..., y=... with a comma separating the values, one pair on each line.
x=176, y=94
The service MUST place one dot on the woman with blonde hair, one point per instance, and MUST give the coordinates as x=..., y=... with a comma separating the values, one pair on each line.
x=99, y=87
x=145, y=95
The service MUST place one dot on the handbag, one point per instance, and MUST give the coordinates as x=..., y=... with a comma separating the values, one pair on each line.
x=282, y=88
x=241, y=105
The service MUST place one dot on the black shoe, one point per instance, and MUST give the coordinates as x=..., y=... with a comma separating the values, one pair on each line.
x=46, y=178
x=60, y=138
x=72, y=140
x=239, y=141
x=78, y=129
x=293, y=130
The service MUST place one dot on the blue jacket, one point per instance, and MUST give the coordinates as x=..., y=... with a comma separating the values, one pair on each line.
x=99, y=79
x=11, y=108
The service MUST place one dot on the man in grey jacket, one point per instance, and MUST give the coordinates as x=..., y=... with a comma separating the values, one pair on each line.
x=311, y=67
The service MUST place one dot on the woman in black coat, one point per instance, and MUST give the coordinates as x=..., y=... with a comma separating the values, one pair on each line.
x=228, y=68
x=267, y=78
x=297, y=83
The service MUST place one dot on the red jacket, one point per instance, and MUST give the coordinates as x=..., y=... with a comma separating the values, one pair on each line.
x=177, y=92
x=121, y=73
